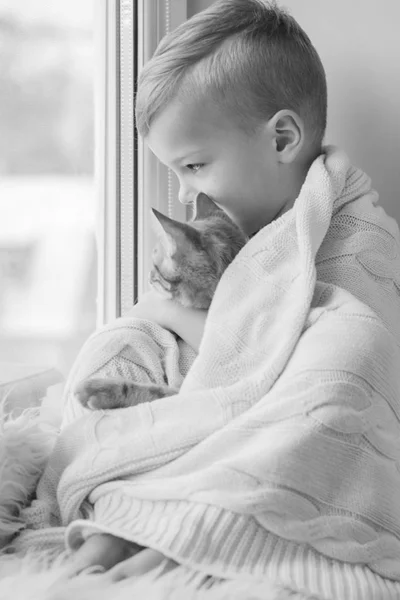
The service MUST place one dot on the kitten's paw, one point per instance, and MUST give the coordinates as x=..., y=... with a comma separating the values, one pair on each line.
x=99, y=393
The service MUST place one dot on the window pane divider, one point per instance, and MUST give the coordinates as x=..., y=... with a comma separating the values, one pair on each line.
x=107, y=134
x=129, y=179
x=156, y=186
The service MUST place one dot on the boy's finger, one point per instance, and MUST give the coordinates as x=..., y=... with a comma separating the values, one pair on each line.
x=99, y=553
x=141, y=563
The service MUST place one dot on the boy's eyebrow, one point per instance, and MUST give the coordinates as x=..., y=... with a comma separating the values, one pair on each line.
x=185, y=156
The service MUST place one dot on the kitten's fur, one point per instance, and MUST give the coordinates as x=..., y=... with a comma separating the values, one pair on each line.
x=188, y=262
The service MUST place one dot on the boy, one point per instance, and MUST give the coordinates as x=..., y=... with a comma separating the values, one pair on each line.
x=234, y=102
x=240, y=115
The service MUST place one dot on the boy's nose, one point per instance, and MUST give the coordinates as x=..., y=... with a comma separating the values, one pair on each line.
x=186, y=195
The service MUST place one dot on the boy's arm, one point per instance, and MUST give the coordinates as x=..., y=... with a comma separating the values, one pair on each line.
x=187, y=323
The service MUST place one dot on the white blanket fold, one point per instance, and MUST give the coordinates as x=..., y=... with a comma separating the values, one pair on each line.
x=288, y=418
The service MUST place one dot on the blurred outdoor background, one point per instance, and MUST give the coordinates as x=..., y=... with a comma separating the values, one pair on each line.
x=47, y=200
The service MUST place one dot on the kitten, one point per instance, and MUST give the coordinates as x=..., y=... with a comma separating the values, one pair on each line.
x=189, y=258
x=188, y=262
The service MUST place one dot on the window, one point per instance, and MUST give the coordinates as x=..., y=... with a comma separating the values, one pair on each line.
x=76, y=185
x=131, y=179
x=48, y=259
x=158, y=187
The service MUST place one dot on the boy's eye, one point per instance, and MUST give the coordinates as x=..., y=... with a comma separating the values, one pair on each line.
x=194, y=167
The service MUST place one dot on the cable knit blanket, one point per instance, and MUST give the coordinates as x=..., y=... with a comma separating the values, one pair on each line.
x=280, y=455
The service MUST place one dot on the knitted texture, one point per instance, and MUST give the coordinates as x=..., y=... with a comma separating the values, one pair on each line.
x=280, y=455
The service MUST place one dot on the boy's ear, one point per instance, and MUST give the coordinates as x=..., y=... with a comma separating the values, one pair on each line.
x=287, y=129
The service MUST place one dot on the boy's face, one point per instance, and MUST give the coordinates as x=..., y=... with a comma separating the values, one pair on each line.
x=209, y=153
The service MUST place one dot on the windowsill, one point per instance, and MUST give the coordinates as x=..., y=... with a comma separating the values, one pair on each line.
x=23, y=386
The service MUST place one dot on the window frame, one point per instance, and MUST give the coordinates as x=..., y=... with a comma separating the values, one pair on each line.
x=107, y=159
x=128, y=177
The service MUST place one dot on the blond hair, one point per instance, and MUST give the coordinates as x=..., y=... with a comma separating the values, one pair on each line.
x=251, y=56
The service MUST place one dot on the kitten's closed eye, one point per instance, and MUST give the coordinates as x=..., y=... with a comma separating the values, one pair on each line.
x=165, y=285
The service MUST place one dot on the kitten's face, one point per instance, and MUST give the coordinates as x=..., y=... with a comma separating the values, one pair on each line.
x=189, y=258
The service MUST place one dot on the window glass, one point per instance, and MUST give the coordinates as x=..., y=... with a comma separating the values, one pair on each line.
x=47, y=198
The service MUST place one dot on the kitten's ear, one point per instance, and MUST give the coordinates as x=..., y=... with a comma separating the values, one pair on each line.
x=162, y=229
x=172, y=233
x=205, y=207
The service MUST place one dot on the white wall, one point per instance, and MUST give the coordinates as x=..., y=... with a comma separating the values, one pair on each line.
x=359, y=44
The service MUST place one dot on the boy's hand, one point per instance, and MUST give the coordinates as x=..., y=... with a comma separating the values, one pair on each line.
x=139, y=564
x=187, y=323
x=102, y=552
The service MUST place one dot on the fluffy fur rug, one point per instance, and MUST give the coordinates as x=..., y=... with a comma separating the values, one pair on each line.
x=28, y=579
x=25, y=444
